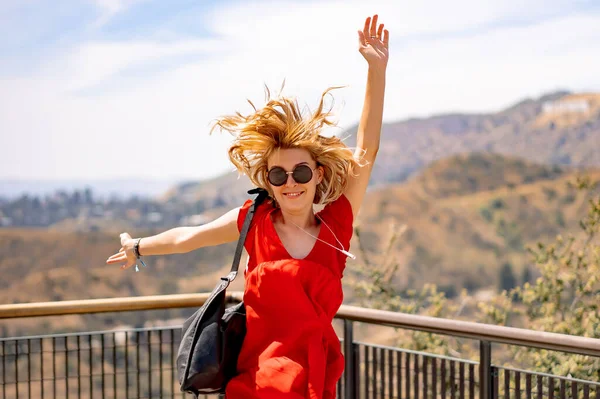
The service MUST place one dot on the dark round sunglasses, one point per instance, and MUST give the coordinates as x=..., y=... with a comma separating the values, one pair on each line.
x=301, y=174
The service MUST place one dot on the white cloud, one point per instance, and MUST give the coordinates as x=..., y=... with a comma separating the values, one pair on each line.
x=156, y=124
x=93, y=63
x=110, y=8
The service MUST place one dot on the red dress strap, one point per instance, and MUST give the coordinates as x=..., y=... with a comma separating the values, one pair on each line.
x=339, y=217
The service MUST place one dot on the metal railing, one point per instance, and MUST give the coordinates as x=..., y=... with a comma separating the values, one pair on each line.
x=139, y=363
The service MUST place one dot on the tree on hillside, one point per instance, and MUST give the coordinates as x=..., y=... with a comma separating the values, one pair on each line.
x=507, y=280
x=526, y=276
x=564, y=299
x=375, y=287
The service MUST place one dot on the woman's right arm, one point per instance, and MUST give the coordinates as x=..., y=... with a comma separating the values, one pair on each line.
x=179, y=239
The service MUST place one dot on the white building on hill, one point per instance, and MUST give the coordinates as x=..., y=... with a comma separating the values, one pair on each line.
x=566, y=106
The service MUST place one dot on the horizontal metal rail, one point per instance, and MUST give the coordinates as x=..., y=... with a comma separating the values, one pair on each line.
x=125, y=304
x=457, y=328
x=477, y=331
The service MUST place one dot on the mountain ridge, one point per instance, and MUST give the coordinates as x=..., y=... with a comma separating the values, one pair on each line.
x=409, y=145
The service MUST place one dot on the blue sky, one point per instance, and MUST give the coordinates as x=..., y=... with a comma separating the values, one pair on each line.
x=128, y=88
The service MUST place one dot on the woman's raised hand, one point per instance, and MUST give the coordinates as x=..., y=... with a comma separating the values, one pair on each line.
x=125, y=254
x=373, y=43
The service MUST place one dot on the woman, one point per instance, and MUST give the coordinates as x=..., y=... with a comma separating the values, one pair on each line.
x=296, y=257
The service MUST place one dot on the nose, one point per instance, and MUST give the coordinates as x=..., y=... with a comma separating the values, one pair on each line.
x=290, y=182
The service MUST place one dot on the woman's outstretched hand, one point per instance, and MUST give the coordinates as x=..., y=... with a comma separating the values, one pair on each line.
x=373, y=43
x=125, y=256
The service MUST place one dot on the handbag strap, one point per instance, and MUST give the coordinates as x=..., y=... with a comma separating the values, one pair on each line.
x=262, y=195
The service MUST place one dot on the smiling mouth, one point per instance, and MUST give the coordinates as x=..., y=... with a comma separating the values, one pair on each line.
x=293, y=195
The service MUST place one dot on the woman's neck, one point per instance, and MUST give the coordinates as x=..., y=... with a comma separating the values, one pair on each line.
x=304, y=219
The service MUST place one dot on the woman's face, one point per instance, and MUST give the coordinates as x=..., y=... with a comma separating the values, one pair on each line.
x=294, y=196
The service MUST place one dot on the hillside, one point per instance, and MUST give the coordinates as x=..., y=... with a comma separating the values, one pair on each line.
x=557, y=129
x=460, y=231
x=561, y=129
x=470, y=173
x=226, y=190
x=466, y=216
x=39, y=265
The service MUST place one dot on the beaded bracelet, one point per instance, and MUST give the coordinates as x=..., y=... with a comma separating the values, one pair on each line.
x=136, y=252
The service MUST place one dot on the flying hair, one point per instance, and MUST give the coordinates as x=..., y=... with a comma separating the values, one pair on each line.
x=281, y=124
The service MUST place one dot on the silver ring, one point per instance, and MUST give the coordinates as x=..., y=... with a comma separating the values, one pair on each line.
x=376, y=37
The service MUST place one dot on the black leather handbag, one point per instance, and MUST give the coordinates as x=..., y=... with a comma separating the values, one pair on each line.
x=212, y=337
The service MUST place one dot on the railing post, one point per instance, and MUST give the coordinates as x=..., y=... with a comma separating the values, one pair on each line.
x=349, y=379
x=485, y=370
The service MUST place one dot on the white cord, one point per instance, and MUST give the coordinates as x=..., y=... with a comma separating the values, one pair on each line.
x=348, y=254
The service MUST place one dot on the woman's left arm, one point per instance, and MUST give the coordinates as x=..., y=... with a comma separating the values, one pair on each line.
x=373, y=45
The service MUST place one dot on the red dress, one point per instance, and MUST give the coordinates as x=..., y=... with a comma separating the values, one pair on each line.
x=291, y=349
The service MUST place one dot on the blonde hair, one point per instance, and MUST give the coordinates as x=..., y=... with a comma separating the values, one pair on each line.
x=280, y=124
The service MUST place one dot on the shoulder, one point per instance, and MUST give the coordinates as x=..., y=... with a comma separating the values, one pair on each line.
x=261, y=212
x=339, y=214
x=339, y=210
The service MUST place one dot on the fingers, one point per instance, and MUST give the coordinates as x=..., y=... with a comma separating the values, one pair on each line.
x=121, y=256
x=116, y=258
x=367, y=26
x=380, y=31
x=386, y=36
x=373, y=29
x=127, y=265
x=361, y=39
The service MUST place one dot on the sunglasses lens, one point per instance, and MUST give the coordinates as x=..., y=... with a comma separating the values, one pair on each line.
x=277, y=176
x=302, y=174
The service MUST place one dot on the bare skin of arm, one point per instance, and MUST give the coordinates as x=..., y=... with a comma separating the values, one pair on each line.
x=373, y=45
x=179, y=240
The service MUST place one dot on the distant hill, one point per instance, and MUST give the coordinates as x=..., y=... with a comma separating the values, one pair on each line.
x=465, y=174
x=107, y=188
x=557, y=129
x=226, y=190
x=468, y=215
x=560, y=128
x=465, y=215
